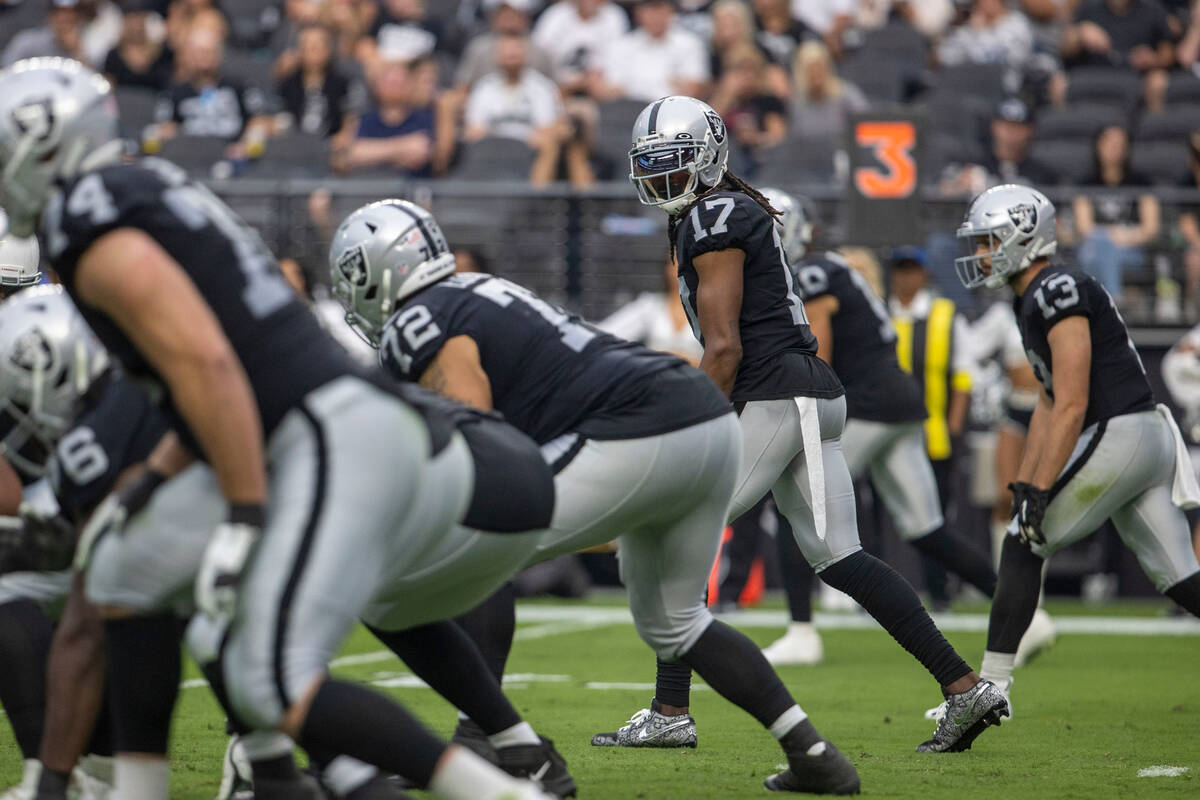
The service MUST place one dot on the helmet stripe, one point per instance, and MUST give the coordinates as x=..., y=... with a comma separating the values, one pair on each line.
x=420, y=225
x=654, y=116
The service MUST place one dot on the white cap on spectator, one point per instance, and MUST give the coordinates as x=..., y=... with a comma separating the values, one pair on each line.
x=398, y=46
x=524, y=6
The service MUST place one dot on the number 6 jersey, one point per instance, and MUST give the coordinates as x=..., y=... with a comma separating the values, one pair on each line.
x=1117, y=382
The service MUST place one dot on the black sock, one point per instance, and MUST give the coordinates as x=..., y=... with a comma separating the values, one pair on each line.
x=52, y=785
x=25, y=635
x=734, y=666
x=445, y=657
x=1016, y=599
x=349, y=719
x=280, y=768
x=892, y=602
x=144, y=663
x=964, y=558
x=1187, y=594
x=796, y=573
x=491, y=625
x=673, y=683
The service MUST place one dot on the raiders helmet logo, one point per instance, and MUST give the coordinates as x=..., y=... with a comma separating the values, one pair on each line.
x=1024, y=217
x=33, y=352
x=716, y=125
x=352, y=264
x=35, y=118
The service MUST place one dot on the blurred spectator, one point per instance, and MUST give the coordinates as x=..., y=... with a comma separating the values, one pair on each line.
x=517, y=102
x=575, y=33
x=1048, y=19
x=1123, y=33
x=400, y=32
x=754, y=114
x=779, y=33
x=183, y=16
x=316, y=94
x=829, y=18
x=1114, y=220
x=732, y=25
x=820, y=99
x=508, y=18
x=992, y=34
x=655, y=59
x=1189, y=226
x=285, y=40
x=140, y=58
x=469, y=260
x=397, y=134
x=1188, y=51
x=60, y=36
x=657, y=319
x=204, y=102
x=929, y=17
x=347, y=19
x=1008, y=161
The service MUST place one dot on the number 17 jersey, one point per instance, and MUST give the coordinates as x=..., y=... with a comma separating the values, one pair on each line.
x=779, y=351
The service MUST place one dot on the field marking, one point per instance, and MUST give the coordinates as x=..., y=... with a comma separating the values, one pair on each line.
x=516, y=680
x=640, y=687
x=970, y=623
x=1162, y=771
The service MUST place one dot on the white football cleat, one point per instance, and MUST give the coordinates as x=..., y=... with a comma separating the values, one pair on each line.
x=801, y=645
x=27, y=788
x=832, y=599
x=1039, y=636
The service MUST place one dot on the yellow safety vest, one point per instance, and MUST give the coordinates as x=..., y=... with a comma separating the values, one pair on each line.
x=924, y=349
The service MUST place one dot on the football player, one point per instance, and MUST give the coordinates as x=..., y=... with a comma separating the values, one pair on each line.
x=189, y=300
x=643, y=445
x=1098, y=446
x=741, y=297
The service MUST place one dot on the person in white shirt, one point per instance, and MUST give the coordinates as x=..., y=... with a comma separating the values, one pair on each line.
x=657, y=320
x=656, y=59
x=993, y=34
x=575, y=34
x=518, y=102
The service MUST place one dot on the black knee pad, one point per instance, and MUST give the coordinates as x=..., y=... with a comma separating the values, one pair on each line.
x=1187, y=594
x=144, y=664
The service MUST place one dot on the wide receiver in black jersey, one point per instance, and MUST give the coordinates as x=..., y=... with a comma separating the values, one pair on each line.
x=320, y=469
x=738, y=289
x=644, y=447
x=1098, y=447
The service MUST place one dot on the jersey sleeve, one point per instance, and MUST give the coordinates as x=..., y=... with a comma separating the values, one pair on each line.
x=96, y=204
x=812, y=280
x=413, y=336
x=1064, y=295
x=720, y=222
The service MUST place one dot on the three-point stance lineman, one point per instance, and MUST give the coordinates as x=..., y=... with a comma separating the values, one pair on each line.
x=738, y=290
x=1098, y=448
x=189, y=300
x=644, y=447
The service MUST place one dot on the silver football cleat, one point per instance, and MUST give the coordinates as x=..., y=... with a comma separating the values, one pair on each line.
x=649, y=728
x=966, y=715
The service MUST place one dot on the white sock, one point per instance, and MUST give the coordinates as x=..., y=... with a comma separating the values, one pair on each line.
x=462, y=717
x=31, y=775
x=265, y=745
x=786, y=721
x=462, y=775
x=521, y=733
x=997, y=668
x=800, y=627
x=141, y=778
x=345, y=774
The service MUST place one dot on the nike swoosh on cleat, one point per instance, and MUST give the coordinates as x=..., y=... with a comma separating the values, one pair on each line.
x=541, y=772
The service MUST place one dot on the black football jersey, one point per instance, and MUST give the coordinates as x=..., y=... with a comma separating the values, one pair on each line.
x=1118, y=383
x=864, y=342
x=779, y=352
x=550, y=372
x=118, y=428
x=280, y=344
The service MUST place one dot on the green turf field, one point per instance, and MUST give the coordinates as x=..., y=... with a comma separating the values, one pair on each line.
x=1091, y=713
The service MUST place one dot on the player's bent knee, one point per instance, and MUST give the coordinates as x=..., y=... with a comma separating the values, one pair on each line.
x=675, y=633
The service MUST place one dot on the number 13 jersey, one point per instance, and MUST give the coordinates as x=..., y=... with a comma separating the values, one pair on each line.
x=1117, y=383
x=779, y=351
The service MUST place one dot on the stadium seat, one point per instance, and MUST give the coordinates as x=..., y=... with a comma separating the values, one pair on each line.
x=17, y=17
x=494, y=159
x=896, y=43
x=1108, y=86
x=1173, y=124
x=1183, y=90
x=941, y=149
x=798, y=161
x=1070, y=160
x=196, y=154
x=1164, y=162
x=881, y=81
x=964, y=118
x=976, y=80
x=250, y=69
x=1077, y=122
x=136, y=107
x=294, y=155
x=613, y=131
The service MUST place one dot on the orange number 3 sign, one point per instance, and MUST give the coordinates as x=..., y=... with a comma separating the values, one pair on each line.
x=892, y=144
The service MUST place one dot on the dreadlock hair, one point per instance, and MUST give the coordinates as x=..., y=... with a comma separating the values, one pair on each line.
x=728, y=183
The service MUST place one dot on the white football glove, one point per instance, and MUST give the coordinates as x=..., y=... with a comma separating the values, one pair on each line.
x=114, y=511
x=220, y=574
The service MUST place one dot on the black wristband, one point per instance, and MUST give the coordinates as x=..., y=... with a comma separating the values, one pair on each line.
x=247, y=514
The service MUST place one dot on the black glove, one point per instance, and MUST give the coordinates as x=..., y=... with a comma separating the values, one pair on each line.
x=1028, y=511
x=115, y=510
x=34, y=542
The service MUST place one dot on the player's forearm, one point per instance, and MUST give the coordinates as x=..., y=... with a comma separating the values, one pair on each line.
x=169, y=457
x=956, y=418
x=1063, y=428
x=720, y=361
x=1035, y=442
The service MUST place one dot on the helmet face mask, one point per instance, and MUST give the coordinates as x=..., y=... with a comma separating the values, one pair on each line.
x=679, y=147
x=19, y=262
x=1005, y=230
x=381, y=254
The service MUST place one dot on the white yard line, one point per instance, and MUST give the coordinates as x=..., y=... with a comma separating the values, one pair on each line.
x=1162, y=771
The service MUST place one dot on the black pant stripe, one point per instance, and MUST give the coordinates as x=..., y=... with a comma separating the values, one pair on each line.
x=1073, y=468
x=302, y=554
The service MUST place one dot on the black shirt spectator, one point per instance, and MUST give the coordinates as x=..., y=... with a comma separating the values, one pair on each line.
x=137, y=60
x=1131, y=33
x=316, y=93
x=402, y=30
x=207, y=103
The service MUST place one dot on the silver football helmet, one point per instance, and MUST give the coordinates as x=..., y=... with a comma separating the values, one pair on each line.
x=49, y=358
x=381, y=254
x=20, y=262
x=1016, y=226
x=680, y=145
x=57, y=118
x=796, y=216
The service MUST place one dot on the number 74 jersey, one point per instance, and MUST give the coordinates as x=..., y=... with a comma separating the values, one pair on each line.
x=1117, y=382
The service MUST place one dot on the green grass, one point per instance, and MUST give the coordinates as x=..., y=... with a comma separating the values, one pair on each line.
x=1090, y=713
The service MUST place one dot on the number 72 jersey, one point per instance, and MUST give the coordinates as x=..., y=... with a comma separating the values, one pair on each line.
x=1117, y=381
